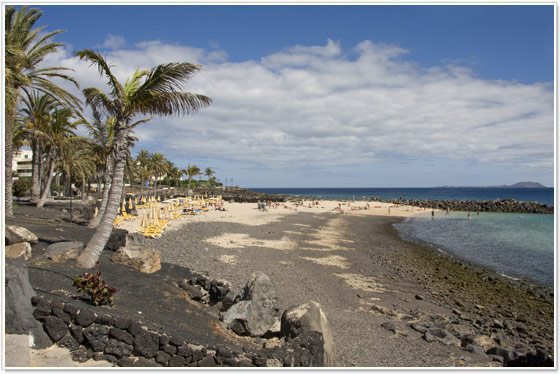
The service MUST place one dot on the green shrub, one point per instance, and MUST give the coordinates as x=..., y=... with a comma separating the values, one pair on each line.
x=21, y=186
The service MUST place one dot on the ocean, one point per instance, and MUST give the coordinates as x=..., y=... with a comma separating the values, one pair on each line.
x=519, y=246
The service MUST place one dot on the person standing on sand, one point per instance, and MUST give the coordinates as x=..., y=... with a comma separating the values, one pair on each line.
x=389, y=210
x=433, y=213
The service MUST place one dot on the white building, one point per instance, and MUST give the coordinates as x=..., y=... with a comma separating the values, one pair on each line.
x=21, y=163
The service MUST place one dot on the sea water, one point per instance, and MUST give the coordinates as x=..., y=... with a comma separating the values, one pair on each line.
x=542, y=195
x=519, y=246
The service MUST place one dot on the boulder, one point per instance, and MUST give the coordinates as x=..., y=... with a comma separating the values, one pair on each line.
x=118, y=239
x=64, y=251
x=257, y=309
x=17, y=234
x=441, y=335
x=97, y=337
x=22, y=249
x=56, y=328
x=310, y=317
x=138, y=257
x=18, y=292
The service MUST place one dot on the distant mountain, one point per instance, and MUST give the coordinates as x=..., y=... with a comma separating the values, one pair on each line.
x=516, y=185
x=527, y=185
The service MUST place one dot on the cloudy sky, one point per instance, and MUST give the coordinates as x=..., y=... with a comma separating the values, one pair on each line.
x=338, y=95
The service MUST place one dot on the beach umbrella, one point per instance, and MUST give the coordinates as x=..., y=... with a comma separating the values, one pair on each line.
x=130, y=204
x=123, y=208
x=156, y=220
x=96, y=212
x=158, y=199
x=144, y=221
x=135, y=201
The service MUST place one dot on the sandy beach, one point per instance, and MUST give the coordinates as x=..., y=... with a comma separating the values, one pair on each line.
x=379, y=293
x=372, y=285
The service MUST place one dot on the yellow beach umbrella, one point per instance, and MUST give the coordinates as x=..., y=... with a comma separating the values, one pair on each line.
x=129, y=203
x=144, y=221
x=135, y=201
x=123, y=208
x=158, y=199
x=96, y=212
x=156, y=221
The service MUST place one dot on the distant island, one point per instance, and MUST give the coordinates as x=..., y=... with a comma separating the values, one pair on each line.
x=516, y=185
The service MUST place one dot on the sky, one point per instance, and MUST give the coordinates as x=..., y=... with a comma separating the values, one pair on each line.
x=338, y=95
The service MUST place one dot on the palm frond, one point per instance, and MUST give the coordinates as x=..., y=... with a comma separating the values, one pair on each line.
x=103, y=68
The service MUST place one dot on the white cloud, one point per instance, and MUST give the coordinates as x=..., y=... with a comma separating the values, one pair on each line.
x=113, y=42
x=315, y=106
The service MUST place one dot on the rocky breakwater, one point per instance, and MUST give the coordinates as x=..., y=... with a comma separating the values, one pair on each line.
x=504, y=206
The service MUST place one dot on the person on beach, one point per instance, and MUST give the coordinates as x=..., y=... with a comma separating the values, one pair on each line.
x=389, y=210
x=433, y=213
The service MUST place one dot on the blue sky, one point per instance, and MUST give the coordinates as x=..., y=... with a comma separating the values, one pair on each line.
x=339, y=95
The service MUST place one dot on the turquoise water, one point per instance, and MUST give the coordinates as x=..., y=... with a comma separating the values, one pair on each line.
x=517, y=245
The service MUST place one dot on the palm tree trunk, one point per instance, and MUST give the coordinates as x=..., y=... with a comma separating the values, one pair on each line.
x=84, y=199
x=36, y=171
x=46, y=191
x=106, y=186
x=95, y=246
x=8, y=131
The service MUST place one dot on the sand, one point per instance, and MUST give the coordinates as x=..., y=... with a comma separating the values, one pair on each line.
x=355, y=265
x=248, y=213
x=361, y=273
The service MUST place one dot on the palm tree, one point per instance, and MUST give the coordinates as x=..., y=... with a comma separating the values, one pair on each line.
x=57, y=138
x=76, y=161
x=102, y=133
x=144, y=173
x=153, y=92
x=209, y=172
x=36, y=117
x=25, y=49
x=175, y=174
x=158, y=166
x=191, y=171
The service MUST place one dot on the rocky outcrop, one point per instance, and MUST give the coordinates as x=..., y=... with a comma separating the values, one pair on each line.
x=64, y=251
x=138, y=257
x=22, y=250
x=17, y=234
x=18, y=307
x=257, y=309
x=309, y=317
